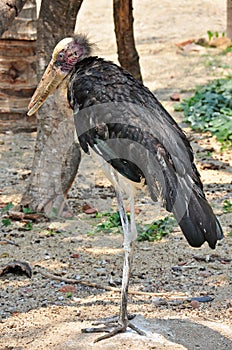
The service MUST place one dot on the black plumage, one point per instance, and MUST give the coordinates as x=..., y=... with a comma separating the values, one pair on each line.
x=95, y=82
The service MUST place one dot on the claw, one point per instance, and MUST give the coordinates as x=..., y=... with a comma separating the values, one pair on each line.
x=106, y=320
x=97, y=330
x=119, y=329
x=112, y=327
x=112, y=319
x=136, y=329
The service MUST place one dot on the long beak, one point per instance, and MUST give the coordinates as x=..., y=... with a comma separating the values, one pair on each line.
x=51, y=79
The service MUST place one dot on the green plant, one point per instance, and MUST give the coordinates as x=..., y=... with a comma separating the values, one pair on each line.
x=28, y=226
x=111, y=223
x=27, y=211
x=227, y=206
x=6, y=222
x=226, y=51
x=212, y=35
x=157, y=230
x=148, y=232
x=210, y=109
x=7, y=207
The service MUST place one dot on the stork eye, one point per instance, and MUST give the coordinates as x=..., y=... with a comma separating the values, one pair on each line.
x=60, y=55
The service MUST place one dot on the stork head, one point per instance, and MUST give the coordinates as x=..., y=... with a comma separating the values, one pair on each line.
x=66, y=54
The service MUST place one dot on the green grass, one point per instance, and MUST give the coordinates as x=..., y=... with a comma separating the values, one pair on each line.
x=210, y=109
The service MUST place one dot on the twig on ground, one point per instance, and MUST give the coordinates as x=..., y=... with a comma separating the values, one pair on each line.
x=167, y=295
x=17, y=215
x=8, y=241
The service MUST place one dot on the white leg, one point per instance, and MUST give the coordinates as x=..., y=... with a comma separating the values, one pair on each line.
x=130, y=235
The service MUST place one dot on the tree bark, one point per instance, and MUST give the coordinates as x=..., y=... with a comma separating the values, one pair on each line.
x=57, y=155
x=229, y=19
x=123, y=23
x=18, y=70
x=57, y=20
x=9, y=9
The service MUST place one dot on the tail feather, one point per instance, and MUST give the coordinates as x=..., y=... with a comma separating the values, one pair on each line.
x=199, y=224
x=186, y=200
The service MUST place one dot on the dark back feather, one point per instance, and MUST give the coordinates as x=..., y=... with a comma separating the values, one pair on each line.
x=123, y=121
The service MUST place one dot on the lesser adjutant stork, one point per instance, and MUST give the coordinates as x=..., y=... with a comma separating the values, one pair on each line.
x=124, y=123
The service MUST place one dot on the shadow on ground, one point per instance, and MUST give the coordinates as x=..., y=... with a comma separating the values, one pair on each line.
x=161, y=334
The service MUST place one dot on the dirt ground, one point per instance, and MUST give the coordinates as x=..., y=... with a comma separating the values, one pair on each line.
x=44, y=313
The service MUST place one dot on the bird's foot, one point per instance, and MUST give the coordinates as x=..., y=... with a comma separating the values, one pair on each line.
x=112, y=327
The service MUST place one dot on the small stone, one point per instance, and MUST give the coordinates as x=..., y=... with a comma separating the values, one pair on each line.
x=75, y=256
x=175, y=96
x=90, y=211
x=205, y=273
x=159, y=301
x=195, y=304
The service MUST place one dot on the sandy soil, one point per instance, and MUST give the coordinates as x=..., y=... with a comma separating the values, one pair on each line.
x=44, y=313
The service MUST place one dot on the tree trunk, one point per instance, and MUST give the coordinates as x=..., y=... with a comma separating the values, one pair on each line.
x=56, y=21
x=8, y=11
x=18, y=70
x=229, y=19
x=57, y=155
x=123, y=23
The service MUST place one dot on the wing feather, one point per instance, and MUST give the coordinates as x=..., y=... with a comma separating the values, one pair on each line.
x=123, y=121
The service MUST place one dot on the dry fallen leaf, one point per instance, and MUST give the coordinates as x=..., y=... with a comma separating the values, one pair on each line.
x=222, y=43
x=87, y=209
x=184, y=43
x=136, y=209
x=16, y=267
x=67, y=288
x=175, y=96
